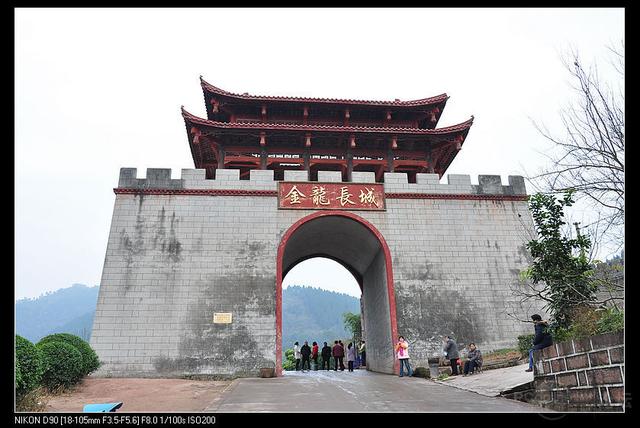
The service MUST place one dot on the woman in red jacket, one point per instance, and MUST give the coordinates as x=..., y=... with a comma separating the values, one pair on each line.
x=314, y=354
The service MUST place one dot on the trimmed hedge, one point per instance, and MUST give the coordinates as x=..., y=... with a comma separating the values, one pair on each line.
x=19, y=381
x=63, y=364
x=29, y=366
x=90, y=361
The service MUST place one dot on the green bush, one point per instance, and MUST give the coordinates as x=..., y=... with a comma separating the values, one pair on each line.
x=584, y=322
x=525, y=342
x=560, y=334
x=63, y=364
x=29, y=364
x=19, y=381
x=422, y=372
x=589, y=322
x=90, y=361
x=611, y=320
x=290, y=362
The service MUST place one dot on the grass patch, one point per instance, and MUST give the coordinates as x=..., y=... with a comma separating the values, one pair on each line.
x=501, y=355
x=443, y=376
x=504, y=351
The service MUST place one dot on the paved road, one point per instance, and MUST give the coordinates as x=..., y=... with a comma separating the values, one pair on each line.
x=492, y=382
x=360, y=391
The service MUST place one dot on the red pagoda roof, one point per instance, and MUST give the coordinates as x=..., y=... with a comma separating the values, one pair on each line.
x=314, y=127
x=207, y=87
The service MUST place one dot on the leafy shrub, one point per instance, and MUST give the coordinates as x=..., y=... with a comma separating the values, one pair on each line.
x=90, y=361
x=290, y=362
x=19, y=381
x=443, y=376
x=422, y=372
x=584, y=322
x=525, y=342
x=611, y=320
x=29, y=364
x=560, y=334
x=63, y=364
x=589, y=321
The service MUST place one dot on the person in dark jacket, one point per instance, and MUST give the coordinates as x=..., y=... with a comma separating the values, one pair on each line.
x=326, y=355
x=451, y=353
x=541, y=340
x=338, y=355
x=474, y=359
x=305, y=351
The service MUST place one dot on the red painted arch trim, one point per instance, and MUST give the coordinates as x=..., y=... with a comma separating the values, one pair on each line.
x=388, y=264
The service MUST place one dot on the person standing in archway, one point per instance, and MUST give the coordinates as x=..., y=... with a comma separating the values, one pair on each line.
x=363, y=353
x=326, y=355
x=402, y=352
x=338, y=354
x=351, y=356
x=314, y=355
x=305, y=351
x=296, y=355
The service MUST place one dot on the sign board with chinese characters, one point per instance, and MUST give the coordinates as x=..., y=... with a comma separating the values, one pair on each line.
x=330, y=196
x=222, y=318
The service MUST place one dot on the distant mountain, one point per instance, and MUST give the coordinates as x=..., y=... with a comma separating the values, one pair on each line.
x=313, y=314
x=80, y=326
x=68, y=310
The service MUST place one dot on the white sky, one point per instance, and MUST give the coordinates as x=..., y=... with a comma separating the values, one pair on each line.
x=101, y=89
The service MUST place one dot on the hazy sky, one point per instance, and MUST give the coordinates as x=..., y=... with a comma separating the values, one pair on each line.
x=101, y=89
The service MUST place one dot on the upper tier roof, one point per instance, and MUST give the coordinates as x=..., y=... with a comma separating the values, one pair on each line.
x=208, y=88
x=295, y=127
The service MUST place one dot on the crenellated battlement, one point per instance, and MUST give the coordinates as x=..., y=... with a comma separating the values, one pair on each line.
x=229, y=179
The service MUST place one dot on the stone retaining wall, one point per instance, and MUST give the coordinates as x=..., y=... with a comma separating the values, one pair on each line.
x=586, y=374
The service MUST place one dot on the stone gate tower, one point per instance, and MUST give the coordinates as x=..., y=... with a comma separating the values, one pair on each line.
x=192, y=279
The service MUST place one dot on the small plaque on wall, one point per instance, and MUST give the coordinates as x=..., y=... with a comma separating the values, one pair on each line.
x=222, y=318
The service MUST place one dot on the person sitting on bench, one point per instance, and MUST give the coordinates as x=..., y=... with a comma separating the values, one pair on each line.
x=474, y=359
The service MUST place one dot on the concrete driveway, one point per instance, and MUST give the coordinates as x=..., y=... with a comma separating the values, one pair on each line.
x=359, y=391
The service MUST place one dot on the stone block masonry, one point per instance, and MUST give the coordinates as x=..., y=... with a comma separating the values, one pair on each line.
x=585, y=374
x=180, y=250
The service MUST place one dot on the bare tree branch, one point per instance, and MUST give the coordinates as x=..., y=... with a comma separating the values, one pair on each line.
x=589, y=157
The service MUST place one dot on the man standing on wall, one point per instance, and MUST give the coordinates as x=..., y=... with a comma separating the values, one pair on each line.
x=451, y=353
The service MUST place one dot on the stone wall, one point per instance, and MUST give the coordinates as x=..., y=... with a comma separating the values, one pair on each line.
x=179, y=251
x=586, y=374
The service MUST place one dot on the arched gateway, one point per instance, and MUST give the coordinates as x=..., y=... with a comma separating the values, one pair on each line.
x=192, y=278
x=357, y=244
